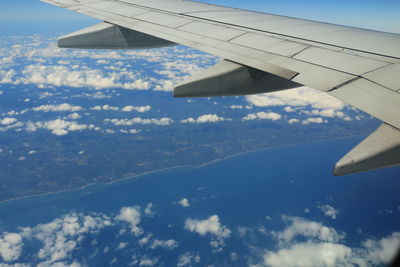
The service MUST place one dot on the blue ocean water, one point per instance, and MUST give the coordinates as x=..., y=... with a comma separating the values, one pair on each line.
x=248, y=191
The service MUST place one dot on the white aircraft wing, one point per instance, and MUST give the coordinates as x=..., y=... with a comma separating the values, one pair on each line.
x=263, y=53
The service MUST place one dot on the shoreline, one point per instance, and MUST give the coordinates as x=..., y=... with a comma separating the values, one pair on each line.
x=176, y=167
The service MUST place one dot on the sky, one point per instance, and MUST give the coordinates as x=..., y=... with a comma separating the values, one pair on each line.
x=373, y=14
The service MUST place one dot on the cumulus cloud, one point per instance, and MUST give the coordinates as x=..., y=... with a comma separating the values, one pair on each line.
x=138, y=109
x=62, y=75
x=313, y=120
x=7, y=121
x=57, y=108
x=184, y=202
x=63, y=235
x=130, y=122
x=263, y=116
x=131, y=215
x=105, y=107
x=383, y=250
x=58, y=127
x=292, y=121
x=147, y=261
x=302, y=96
x=74, y=116
x=301, y=227
x=289, y=109
x=204, y=119
x=148, y=210
x=210, y=226
x=187, y=259
x=309, y=254
x=307, y=244
x=329, y=211
x=10, y=246
x=168, y=244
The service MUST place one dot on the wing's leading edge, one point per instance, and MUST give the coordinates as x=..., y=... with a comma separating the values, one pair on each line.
x=263, y=53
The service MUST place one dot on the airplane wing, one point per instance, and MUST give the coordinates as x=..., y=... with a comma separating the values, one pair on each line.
x=263, y=53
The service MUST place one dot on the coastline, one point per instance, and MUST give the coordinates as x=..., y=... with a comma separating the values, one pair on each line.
x=176, y=167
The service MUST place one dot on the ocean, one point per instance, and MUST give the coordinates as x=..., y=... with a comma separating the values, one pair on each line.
x=251, y=194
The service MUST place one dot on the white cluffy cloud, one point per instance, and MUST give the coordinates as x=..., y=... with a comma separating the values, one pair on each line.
x=10, y=246
x=131, y=215
x=301, y=227
x=62, y=75
x=211, y=226
x=302, y=96
x=263, y=116
x=184, y=202
x=308, y=255
x=310, y=244
x=138, y=109
x=55, y=242
x=105, y=107
x=57, y=108
x=62, y=236
x=7, y=121
x=187, y=259
x=329, y=211
x=130, y=122
x=168, y=244
x=322, y=104
x=318, y=120
x=204, y=119
x=58, y=127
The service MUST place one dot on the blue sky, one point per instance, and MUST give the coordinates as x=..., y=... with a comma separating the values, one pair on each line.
x=374, y=14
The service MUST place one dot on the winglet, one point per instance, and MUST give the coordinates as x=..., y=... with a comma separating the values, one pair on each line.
x=380, y=149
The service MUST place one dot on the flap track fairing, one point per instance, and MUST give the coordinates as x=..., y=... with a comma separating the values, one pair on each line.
x=228, y=78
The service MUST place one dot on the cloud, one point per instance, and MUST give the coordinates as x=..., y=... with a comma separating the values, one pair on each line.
x=10, y=246
x=121, y=245
x=301, y=97
x=168, y=244
x=138, y=109
x=58, y=108
x=147, y=261
x=74, y=76
x=62, y=236
x=309, y=254
x=263, y=116
x=289, y=109
x=313, y=120
x=329, y=211
x=130, y=122
x=148, y=210
x=57, y=127
x=292, y=121
x=74, y=116
x=7, y=121
x=105, y=107
x=184, y=202
x=204, y=119
x=307, y=244
x=301, y=227
x=382, y=251
x=131, y=215
x=7, y=76
x=211, y=226
x=187, y=259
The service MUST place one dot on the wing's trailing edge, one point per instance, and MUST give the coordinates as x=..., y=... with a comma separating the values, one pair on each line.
x=263, y=53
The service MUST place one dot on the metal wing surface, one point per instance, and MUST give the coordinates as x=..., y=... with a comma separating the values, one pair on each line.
x=360, y=67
